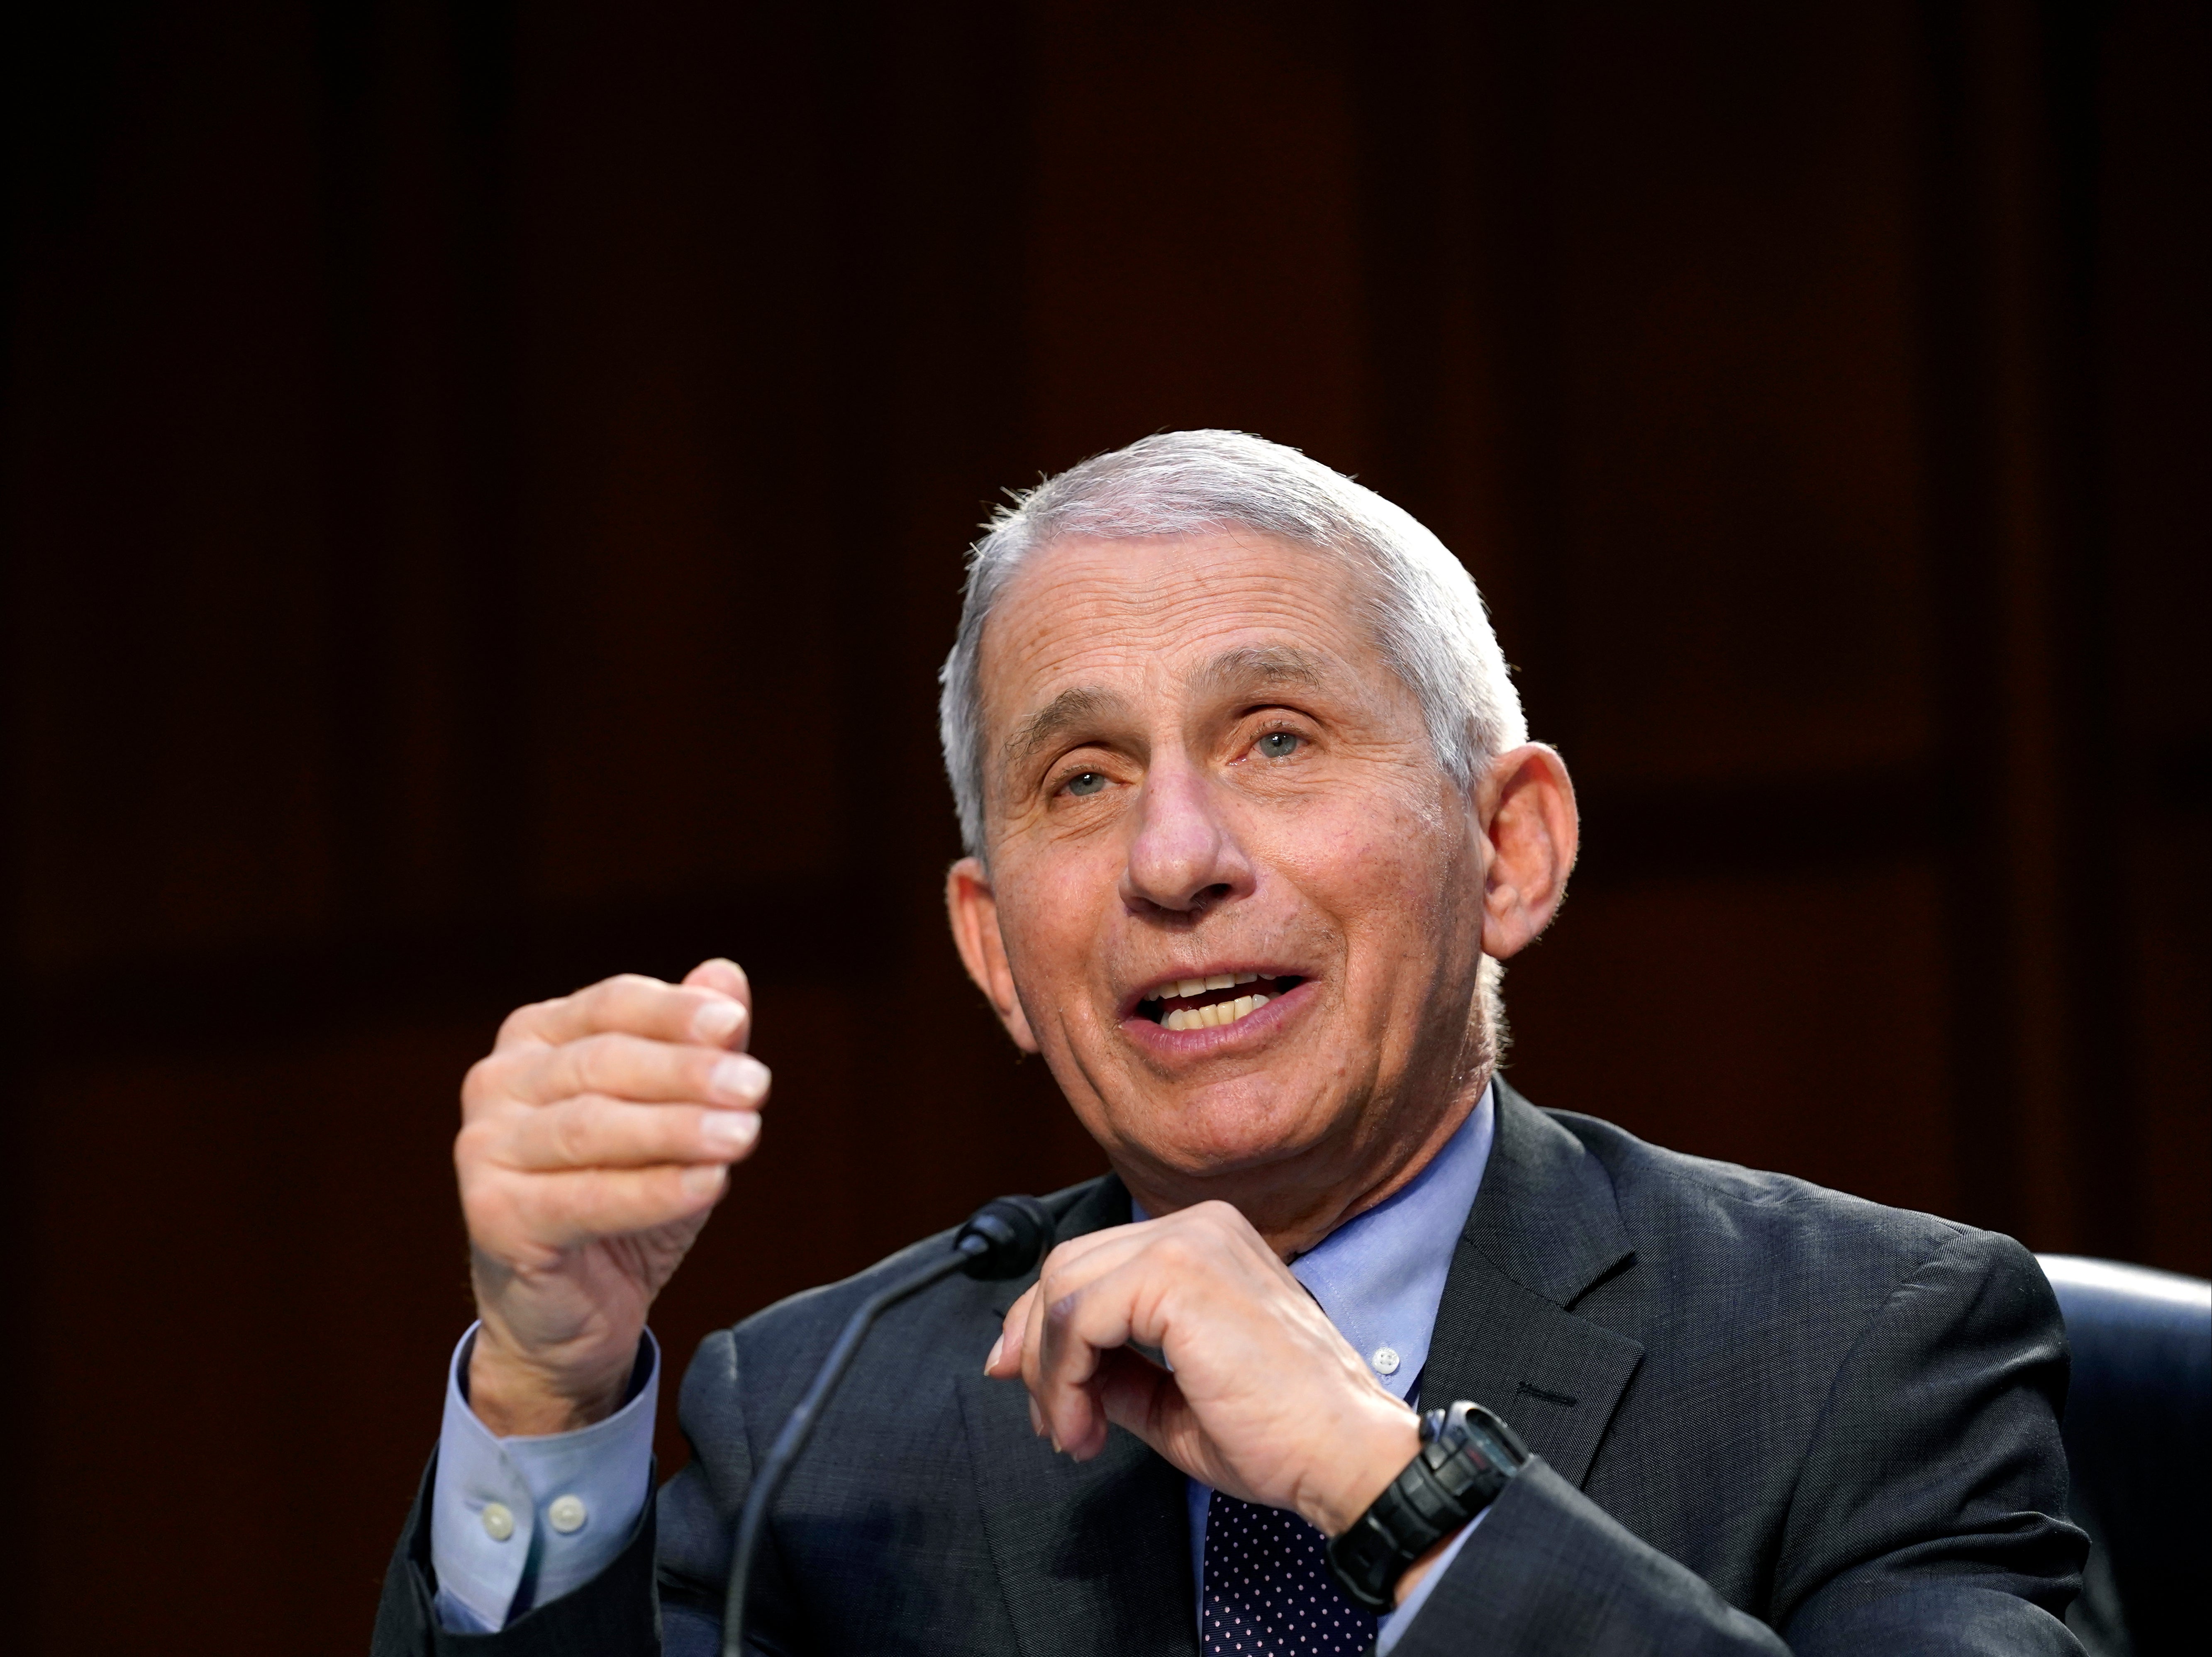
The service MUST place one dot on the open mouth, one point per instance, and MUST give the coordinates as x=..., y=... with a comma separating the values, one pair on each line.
x=1209, y=1002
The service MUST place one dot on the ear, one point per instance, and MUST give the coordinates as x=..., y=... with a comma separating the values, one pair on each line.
x=973, y=909
x=1527, y=806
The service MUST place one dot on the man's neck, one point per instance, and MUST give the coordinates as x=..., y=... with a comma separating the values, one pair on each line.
x=1296, y=1202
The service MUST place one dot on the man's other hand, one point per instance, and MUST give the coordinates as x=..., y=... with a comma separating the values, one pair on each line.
x=1261, y=1398
x=595, y=1139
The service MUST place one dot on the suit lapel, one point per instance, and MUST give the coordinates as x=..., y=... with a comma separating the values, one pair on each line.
x=1094, y=1558
x=1545, y=1228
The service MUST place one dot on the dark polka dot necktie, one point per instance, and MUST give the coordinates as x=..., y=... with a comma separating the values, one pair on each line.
x=1268, y=1590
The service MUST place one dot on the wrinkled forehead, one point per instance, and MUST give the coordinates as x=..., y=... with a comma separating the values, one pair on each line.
x=1153, y=623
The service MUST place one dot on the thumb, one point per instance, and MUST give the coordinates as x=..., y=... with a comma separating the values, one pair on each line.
x=721, y=974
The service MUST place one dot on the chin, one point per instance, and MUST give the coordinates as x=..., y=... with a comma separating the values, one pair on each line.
x=1215, y=1137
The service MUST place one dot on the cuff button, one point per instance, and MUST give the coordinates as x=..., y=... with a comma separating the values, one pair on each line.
x=498, y=1522
x=566, y=1514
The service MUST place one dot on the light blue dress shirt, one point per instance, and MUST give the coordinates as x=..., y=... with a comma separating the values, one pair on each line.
x=566, y=1504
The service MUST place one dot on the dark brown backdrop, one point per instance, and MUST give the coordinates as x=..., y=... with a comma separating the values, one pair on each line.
x=485, y=487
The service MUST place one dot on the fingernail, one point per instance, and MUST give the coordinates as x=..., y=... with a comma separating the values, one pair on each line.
x=997, y=1346
x=740, y=1078
x=717, y=1021
x=700, y=1180
x=729, y=1130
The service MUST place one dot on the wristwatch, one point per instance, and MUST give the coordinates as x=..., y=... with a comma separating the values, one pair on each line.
x=1467, y=1455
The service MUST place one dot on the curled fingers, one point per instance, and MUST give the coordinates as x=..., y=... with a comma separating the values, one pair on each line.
x=712, y=1008
x=637, y=1067
x=596, y=1131
x=1084, y=1308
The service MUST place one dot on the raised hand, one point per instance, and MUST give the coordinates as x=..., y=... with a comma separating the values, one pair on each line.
x=1262, y=1398
x=596, y=1137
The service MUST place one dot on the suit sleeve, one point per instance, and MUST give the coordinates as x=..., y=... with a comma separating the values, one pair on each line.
x=1921, y=1521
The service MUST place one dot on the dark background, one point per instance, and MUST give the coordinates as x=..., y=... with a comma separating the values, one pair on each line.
x=485, y=488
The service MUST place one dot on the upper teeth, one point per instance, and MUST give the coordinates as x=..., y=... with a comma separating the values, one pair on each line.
x=1221, y=1012
x=1200, y=985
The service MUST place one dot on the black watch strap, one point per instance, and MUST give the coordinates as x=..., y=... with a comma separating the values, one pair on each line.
x=1466, y=1456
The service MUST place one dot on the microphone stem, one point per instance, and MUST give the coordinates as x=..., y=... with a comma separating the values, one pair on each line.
x=798, y=1427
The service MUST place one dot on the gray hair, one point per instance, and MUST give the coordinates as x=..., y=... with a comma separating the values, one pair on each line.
x=1420, y=603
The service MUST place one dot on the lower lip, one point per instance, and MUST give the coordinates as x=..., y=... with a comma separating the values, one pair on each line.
x=1217, y=1038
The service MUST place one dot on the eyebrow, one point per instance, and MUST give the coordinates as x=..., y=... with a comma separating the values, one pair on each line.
x=1070, y=707
x=1245, y=669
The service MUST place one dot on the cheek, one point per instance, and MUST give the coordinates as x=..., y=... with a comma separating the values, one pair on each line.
x=1387, y=865
x=1051, y=913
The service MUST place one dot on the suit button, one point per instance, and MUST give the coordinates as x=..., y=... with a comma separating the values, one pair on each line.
x=566, y=1514
x=498, y=1522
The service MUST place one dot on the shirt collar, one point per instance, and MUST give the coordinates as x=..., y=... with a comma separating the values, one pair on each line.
x=1379, y=1276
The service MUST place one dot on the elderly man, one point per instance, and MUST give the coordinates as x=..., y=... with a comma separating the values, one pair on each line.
x=1353, y=1346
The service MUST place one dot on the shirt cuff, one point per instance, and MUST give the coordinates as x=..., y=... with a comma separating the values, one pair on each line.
x=517, y=1521
x=1390, y=1629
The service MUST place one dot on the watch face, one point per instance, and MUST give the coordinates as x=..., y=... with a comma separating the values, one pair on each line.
x=1500, y=1433
x=1485, y=1452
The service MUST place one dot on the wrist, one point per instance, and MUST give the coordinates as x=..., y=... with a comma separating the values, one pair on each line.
x=520, y=1394
x=1376, y=1451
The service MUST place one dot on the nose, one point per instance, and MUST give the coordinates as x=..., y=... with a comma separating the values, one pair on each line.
x=1185, y=858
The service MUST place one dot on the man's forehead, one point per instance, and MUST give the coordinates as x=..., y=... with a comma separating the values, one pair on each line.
x=1087, y=624
x=1261, y=663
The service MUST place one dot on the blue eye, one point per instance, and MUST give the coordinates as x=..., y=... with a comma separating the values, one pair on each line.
x=1279, y=744
x=1086, y=782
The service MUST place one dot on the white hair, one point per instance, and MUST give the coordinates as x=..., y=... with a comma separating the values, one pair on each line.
x=1420, y=603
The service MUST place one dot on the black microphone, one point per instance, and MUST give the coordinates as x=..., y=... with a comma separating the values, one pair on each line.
x=1002, y=1239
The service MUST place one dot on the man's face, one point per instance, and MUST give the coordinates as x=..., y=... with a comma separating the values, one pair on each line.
x=1199, y=766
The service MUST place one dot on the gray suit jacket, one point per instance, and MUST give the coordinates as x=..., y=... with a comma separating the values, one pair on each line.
x=1767, y=1418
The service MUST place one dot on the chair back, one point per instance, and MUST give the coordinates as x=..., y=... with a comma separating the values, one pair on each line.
x=2137, y=1438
